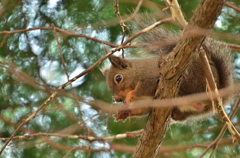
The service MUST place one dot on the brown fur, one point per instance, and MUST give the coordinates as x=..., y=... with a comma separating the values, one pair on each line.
x=139, y=77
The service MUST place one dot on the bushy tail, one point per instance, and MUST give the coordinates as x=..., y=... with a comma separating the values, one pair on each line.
x=159, y=40
x=220, y=55
x=156, y=39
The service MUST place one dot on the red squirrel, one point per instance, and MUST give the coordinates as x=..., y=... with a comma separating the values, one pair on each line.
x=131, y=79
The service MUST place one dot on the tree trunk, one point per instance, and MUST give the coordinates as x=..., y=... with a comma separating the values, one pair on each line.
x=203, y=18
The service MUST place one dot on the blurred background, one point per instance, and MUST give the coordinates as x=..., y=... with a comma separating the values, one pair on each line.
x=31, y=69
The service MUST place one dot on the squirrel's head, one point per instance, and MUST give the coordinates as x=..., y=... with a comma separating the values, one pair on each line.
x=119, y=77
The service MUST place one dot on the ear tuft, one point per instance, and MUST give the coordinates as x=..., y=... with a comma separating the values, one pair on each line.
x=118, y=62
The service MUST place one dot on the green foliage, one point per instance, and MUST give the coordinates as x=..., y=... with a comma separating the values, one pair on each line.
x=31, y=69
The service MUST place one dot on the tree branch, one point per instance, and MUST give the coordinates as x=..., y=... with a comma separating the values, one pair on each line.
x=232, y=6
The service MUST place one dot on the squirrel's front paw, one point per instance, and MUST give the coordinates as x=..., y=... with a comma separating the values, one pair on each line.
x=122, y=115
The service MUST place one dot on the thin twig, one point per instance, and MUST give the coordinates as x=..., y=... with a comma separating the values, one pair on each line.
x=87, y=138
x=68, y=78
x=135, y=11
x=177, y=12
x=232, y=6
x=234, y=47
x=4, y=40
x=213, y=86
x=124, y=27
x=60, y=51
x=9, y=7
x=62, y=31
x=73, y=149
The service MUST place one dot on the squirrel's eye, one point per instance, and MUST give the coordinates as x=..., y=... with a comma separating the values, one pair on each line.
x=118, y=78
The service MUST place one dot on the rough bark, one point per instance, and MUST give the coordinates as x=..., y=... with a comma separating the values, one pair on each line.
x=203, y=18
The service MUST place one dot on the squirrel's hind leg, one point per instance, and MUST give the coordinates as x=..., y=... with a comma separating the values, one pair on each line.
x=193, y=110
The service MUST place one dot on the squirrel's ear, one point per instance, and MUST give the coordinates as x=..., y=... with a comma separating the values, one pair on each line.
x=118, y=62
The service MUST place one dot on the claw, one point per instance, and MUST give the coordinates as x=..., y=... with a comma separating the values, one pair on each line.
x=122, y=115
